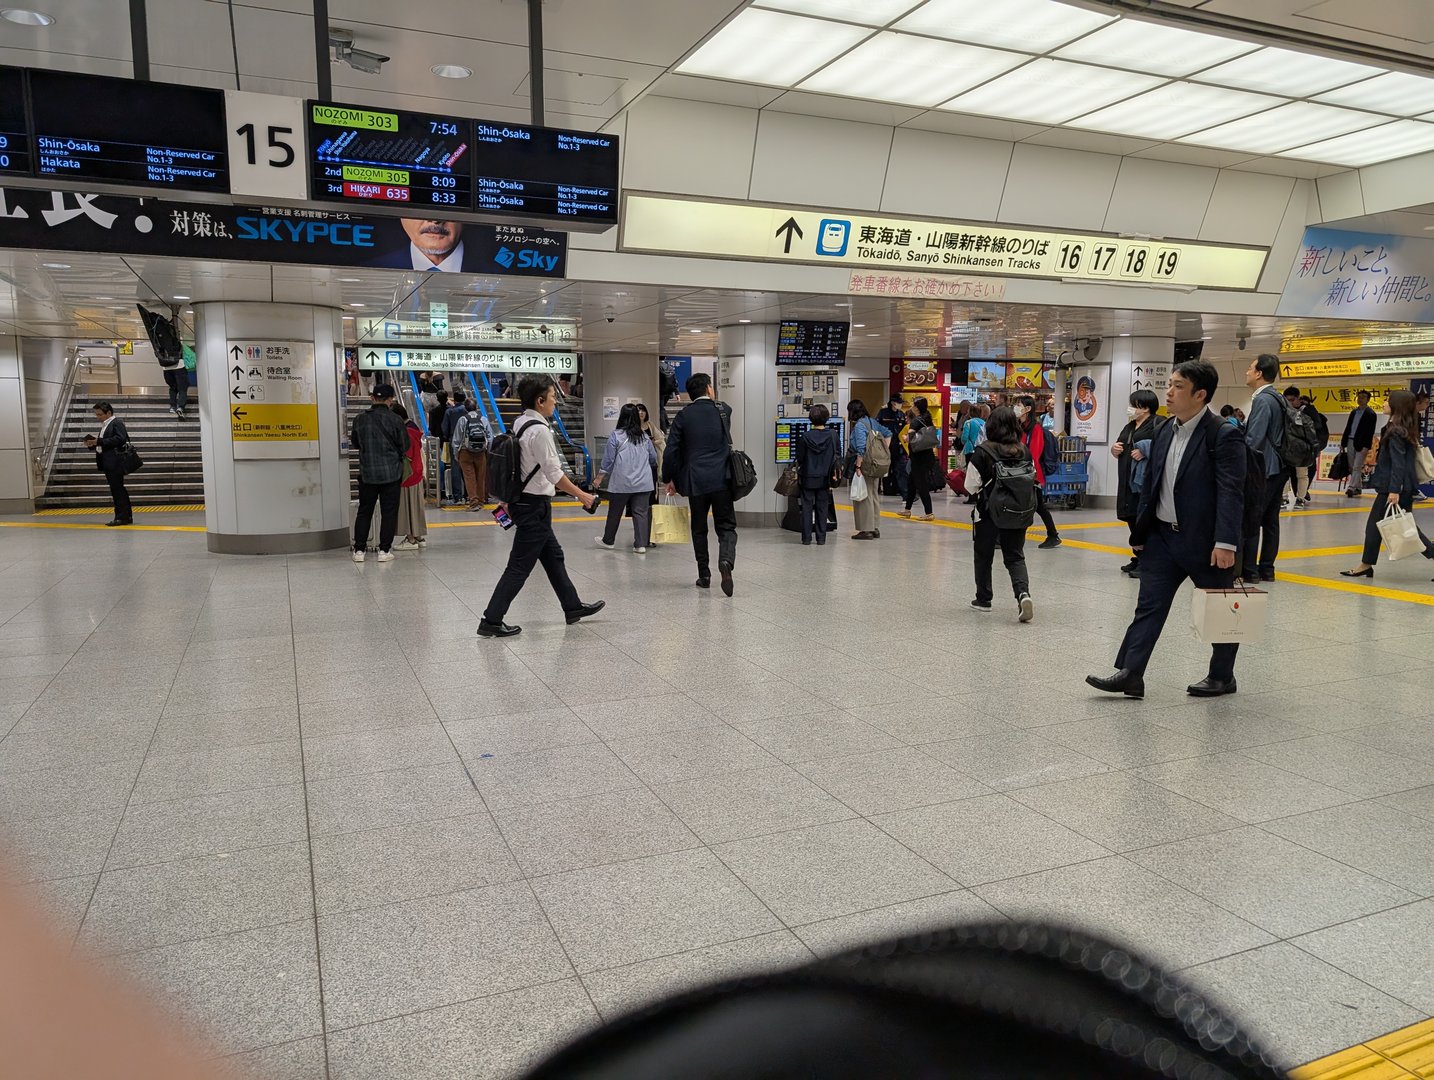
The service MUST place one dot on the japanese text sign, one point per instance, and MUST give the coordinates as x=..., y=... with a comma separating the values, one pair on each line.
x=1348, y=275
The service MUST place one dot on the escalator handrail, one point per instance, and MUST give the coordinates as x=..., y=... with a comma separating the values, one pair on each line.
x=497, y=413
x=587, y=458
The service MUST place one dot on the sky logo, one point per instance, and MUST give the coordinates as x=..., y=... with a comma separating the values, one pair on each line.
x=505, y=258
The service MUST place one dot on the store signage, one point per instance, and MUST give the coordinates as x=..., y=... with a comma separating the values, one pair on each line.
x=554, y=333
x=120, y=224
x=1368, y=365
x=665, y=224
x=1350, y=275
x=406, y=359
x=272, y=399
x=929, y=286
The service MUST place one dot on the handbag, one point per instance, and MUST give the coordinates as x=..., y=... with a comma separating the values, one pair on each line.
x=788, y=482
x=859, y=488
x=1400, y=533
x=1424, y=465
x=1229, y=616
x=744, y=473
x=671, y=524
x=1339, y=467
x=129, y=459
x=924, y=438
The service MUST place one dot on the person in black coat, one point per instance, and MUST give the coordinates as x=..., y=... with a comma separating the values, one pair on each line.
x=106, y=446
x=1395, y=479
x=696, y=464
x=818, y=455
x=1144, y=406
x=1358, y=437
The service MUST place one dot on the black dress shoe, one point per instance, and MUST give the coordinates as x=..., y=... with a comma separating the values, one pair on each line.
x=725, y=569
x=704, y=582
x=1208, y=687
x=1050, y=542
x=487, y=629
x=117, y=521
x=586, y=610
x=1123, y=681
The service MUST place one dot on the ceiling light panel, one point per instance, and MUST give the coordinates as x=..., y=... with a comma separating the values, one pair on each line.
x=1393, y=92
x=1290, y=125
x=866, y=12
x=1052, y=92
x=1159, y=50
x=1283, y=71
x=910, y=70
x=1175, y=110
x=1030, y=25
x=771, y=47
x=1395, y=140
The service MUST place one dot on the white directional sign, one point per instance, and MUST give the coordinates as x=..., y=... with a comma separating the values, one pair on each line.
x=266, y=145
x=514, y=360
x=272, y=399
x=555, y=333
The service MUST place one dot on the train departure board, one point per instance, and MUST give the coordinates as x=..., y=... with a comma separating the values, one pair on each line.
x=546, y=173
x=389, y=157
x=14, y=131
x=96, y=129
x=804, y=342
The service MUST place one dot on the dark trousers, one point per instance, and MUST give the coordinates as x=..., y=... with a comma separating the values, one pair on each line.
x=120, y=494
x=533, y=542
x=1161, y=575
x=177, y=379
x=816, y=509
x=724, y=517
x=1013, y=550
x=638, y=503
x=918, y=485
x=1372, y=538
x=1045, y=513
x=386, y=495
x=1263, y=547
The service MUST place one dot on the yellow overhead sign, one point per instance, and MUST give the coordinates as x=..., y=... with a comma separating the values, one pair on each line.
x=667, y=224
x=274, y=423
x=1368, y=365
x=1319, y=369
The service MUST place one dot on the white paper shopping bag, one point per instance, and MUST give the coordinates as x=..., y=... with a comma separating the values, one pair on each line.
x=1229, y=616
x=1400, y=534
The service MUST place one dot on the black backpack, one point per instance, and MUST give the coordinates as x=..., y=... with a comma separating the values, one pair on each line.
x=1300, y=443
x=1254, y=507
x=473, y=436
x=1050, y=452
x=1010, y=493
x=505, y=466
x=1000, y=1002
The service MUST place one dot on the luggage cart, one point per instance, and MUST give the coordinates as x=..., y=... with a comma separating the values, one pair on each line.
x=1065, y=485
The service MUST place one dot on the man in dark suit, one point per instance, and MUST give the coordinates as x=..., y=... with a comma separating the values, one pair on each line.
x=1188, y=526
x=432, y=245
x=695, y=464
x=1263, y=434
x=106, y=446
x=1358, y=437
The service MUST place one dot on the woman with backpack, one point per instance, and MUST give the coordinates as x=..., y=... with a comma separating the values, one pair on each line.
x=818, y=468
x=412, y=519
x=630, y=462
x=1395, y=479
x=866, y=513
x=1002, y=476
x=922, y=439
x=1141, y=414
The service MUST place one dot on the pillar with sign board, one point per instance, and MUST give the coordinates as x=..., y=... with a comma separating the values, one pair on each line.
x=1100, y=392
x=276, y=479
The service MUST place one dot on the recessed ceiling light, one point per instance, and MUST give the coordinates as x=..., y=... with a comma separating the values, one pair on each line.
x=348, y=318
x=104, y=298
x=1394, y=140
x=21, y=17
x=357, y=305
x=56, y=266
x=1049, y=91
x=873, y=335
x=1295, y=124
x=1027, y=25
x=910, y=70
x=350, y=280
x=1160, y=50
x=770, y=47
x=451, y=71
x=1282, y=71
x=1395, y=92
x=866, y=12
x=859, y=325
x=1175, y=110
x=181, y=297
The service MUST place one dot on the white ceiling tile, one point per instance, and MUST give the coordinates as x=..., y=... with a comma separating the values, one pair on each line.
x=1394, y=92
x=980, y=127
x=1047, y=91
x=1033, y=26
x=950, y=175
x=910, y=70
x=1091, y=141
x=719, y=91
x=1398, y=139
x=1193, y=155
x=771, y=47
x=1289, y=125
x=1286, y=72
x=1157, y=49
x=843, y=108
x=1175, y=110
x=866, y=12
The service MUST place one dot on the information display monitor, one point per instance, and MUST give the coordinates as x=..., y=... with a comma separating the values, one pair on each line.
x=390, y=157
x=790, y=430
x=546, y=173
x=96, y=129
x=811, y=343
x=14, y=131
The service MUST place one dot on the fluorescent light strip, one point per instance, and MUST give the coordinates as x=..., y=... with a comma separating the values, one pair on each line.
x=1394, y=93
x=1176, y=110
x=910, y=70
x=771, y=48
x=866, y=12
x=1283, y=71
x=1289, y=125
x=1052, y=92
x=1159, y=50
x=1031, y=26
x=1398, y=139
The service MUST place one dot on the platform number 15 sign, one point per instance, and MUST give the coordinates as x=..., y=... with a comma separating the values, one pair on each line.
x=265, y=145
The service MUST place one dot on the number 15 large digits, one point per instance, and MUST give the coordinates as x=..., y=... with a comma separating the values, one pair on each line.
x=286, y=151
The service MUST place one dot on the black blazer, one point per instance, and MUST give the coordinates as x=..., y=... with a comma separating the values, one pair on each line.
x=1363, y=436
x=1209, y=489
x=115, y=436
x=1127, y=499
x=696, y=459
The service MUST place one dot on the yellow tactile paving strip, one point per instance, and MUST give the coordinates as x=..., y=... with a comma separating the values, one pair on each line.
x=1398, y=1055
x=79, y=511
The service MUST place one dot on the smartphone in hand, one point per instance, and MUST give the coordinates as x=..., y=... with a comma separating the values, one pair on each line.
x=501, y=517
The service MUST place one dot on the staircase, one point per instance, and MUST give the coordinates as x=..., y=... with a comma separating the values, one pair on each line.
x=173, y=470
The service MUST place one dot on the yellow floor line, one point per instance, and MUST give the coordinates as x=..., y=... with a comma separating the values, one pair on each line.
x=76, y=511
x=1319, y=553
x=1340, y=585
x=1396, y=1056
x=77, y=525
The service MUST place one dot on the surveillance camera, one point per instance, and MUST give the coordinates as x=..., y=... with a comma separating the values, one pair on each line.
x=498, y=327
x=611, y=317
x=1241, y=342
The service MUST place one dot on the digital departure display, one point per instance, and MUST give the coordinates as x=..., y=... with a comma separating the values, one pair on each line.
x=14, y=131
x=802, y=342
x=97, y=129
x=388, y=157
x=547, y=173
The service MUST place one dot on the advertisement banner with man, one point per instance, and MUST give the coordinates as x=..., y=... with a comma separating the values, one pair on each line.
x=1090, y=404
x=123, y=225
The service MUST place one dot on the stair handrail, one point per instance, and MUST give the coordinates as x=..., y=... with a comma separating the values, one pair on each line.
x=587, y=457
x=44, y=460
x=493, y=399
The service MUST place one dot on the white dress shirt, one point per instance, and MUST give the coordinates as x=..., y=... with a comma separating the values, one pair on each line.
x=451, y=265
x=536, y=446
x=1165, y=497
x=103, y=428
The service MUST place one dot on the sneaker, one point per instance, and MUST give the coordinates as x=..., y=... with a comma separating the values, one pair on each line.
x=927, y=517
x=976, y=605
x=903, y=513
x=422, y=542
x=385, y=556
x=639, y=551
x=1050, y=542
x=358, y=556
x=405, y=545
x=1130, y=567
x=600, y=542
x=1028, y=607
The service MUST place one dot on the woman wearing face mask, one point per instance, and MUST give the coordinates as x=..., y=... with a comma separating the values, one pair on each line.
x=1140, y=429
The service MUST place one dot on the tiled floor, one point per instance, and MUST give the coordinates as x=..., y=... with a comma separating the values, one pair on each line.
x=302, y=803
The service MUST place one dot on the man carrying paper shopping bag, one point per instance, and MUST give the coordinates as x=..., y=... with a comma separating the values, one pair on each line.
x=1188, y=526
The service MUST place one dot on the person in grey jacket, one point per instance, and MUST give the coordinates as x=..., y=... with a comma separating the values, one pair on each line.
x=381, y=439
x=1263, y=432
x=628, y=466
x=1394, y=479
